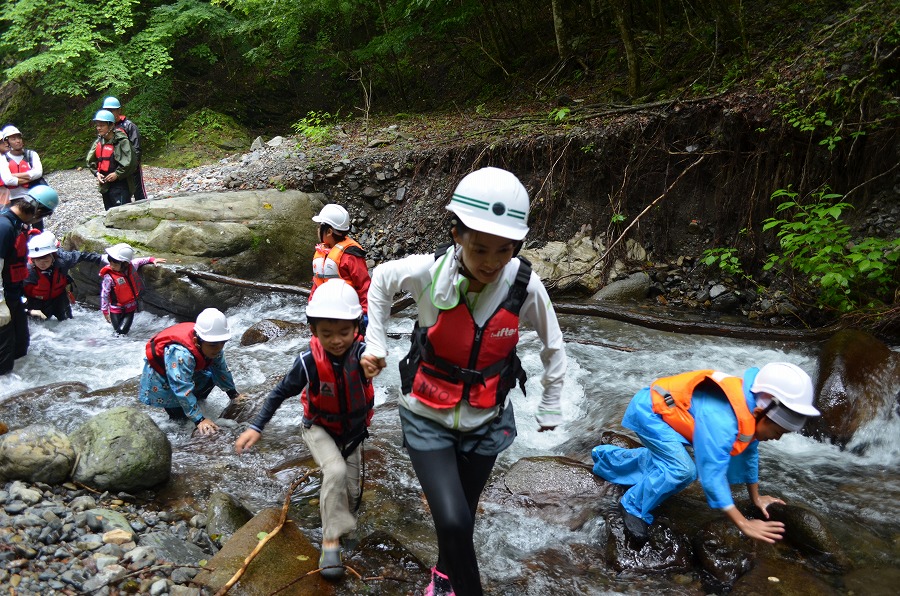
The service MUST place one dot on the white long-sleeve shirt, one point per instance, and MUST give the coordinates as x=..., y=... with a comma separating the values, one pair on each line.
x=35, y=171
x=438, y=282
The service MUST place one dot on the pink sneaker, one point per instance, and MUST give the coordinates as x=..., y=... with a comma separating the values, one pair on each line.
x=440, y=585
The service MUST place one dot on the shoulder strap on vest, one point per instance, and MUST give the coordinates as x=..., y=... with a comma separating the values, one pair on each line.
x=519, y=290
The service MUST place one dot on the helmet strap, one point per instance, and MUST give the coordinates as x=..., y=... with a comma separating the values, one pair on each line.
x=772, y=405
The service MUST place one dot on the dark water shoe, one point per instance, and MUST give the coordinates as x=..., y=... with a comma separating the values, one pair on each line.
x=636, y=528
x=332, y=568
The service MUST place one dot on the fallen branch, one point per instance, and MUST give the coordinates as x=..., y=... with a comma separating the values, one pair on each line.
x=243, y=283
x=284, y=511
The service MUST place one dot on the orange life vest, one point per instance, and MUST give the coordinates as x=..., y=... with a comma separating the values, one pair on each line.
x=181, y=334
x=341, y=405
x=455, y=359
x=326, y=261
x=672, y=401
x=18, y=265
x=49, y=285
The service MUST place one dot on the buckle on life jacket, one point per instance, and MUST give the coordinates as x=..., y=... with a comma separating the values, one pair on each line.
x=670, y=401
x=466, y=375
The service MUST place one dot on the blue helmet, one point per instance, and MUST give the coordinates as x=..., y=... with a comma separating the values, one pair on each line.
x=104, y=116
x=111, y=103
x=44, y=197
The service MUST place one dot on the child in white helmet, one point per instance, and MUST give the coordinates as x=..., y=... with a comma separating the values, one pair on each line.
x=723, y=418
x=47, y=284
x=121, y=286
x=455, y=411
x=337, y=402
x=340, y=256
x=183, y=364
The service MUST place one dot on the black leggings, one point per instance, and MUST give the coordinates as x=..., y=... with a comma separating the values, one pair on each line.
x=452, y=483
x=121, y=321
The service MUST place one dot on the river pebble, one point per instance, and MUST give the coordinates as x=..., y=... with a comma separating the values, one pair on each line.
x=55, y=540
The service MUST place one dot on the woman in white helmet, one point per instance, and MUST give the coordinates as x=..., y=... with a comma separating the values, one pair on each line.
x=724, y=418
x=46, y=287
x=454, y=409
x=183, y=363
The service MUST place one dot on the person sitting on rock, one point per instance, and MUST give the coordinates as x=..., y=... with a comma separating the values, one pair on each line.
x=339, y=256
x=337, y=402
x=47, y=285
x=183, y=363
x=121, y=286
x=111, y=160
x=723, y=417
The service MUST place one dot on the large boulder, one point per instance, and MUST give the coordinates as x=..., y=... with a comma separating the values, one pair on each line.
x=36, y=453
x=859, y=380
x=261, y=235
x=121, y=450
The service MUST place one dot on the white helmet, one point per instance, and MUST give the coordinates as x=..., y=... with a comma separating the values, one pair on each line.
x=792, y=390
x=335, y=216
x=121, y=252
x=494, y=201
x=9, y=131
x=42, y=244
x=212, y=326
x=334, y=299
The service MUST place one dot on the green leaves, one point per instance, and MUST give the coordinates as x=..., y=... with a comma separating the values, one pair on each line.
x=817, y=245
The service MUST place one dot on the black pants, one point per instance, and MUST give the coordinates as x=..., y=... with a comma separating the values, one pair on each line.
x=14, y=337
x=58, y=307
x=140, y=193
x=121, y=321
x=452, y=483
x=117, y=194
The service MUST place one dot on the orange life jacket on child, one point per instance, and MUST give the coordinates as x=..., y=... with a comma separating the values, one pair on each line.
x=126, y=287
x=672, y=401
x=181, y=334
x=326, y=260
x=48, y=286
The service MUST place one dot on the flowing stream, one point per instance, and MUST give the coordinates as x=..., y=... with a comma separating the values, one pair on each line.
x=857, y=489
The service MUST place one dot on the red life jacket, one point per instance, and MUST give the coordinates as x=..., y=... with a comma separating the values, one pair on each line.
x=127, y=286
x=454, y=359
x=104, y=153
x=20, y=167
x=18, y=265
x=672, y=401
x=326, y=261
x=50, y=284
x=343, y=405
x=181, y=334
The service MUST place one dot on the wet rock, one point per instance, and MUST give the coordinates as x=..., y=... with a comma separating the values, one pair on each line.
x=634, y=287
x=269, y=329
x=859, y=379
x=107, y=520
x=36, y=453
x=225, y=516
x=721, y=552
x=666, y=550
x=286, y=557
x=121, y=449
x=381, y=555
x=780, y=577
x=808, y=534
x=171, y=548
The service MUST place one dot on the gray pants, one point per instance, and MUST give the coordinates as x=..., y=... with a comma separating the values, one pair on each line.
x=340, y=482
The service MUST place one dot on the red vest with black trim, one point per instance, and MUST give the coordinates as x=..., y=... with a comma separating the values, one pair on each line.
x=104, y=154
x=455, y=359
x=17, y=266
x=342, y=405
x=326, y=261
x=19, y=168
x=50, y=284
x=672, y=401
x=181, y=334
x=126, y=287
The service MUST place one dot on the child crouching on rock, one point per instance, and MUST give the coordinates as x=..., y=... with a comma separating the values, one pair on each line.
x=121, y=286
x=337, y=402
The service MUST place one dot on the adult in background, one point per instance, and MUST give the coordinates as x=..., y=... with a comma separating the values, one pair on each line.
x=4, y=173
x=23, y=166
x=183, y=364
x=134, y=136
x=339, y=256
x=15, y=219
x=111, y=161
x=724, y=418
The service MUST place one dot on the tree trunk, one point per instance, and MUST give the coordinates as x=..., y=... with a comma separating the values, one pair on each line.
x=563, y=45
x=621, y=11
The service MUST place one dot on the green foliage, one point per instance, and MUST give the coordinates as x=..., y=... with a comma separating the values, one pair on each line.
x=559, y=114
x=816, y=244
x=726, y=259
x=202, y=137
x=617, y=218
x=316, y=126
